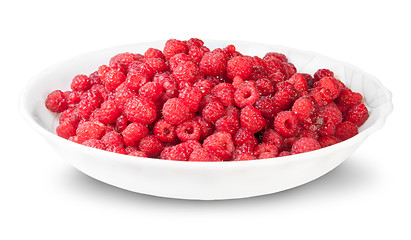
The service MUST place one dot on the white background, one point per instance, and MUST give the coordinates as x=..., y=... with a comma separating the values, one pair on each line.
x=43, y=197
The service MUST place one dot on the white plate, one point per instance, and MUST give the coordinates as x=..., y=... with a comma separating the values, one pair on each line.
x=202, y=180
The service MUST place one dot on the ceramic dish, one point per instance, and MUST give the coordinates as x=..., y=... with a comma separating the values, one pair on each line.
x=202, y=180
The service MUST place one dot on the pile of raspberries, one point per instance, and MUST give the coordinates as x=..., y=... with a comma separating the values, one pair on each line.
x=190, y=103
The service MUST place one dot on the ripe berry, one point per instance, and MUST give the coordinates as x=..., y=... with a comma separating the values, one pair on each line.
x=94, y=143
x=66, y=129
x=252, y=119
x=56, y=102
x=213, y=111
x=164, y=131
x=246, y=95
x=90, y=130
x=305, y=144
x=175, y=111
x=228, y=124
x=346, y=130
x=151, y=145
x=189, y=130
x=112, y=79
x=173, y=46
x=219, y=144
x=213, y=63
x=239, y=66
x=286, y=124
x=80, y=83
x=141, y=110
x=200, y=155
x=357, y=115
x=133, y=133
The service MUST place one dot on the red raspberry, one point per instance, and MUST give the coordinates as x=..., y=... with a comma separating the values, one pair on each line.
x=228, y=124
x=284, y=153
x=116, y=149
x=328, y=118
x=107, y=113
x=191, y=97
x=186, y=72
x=213, y=111
x=189, y=130
x=176, y=153
x=89, y=101
x=177, y=59
x=168, y=83
x=121, y=123
x=308, y=78
x=246, y=95
x=346, y=130
x=151, y=90
x=200, y=155
x=90, y=130
x=244, y=136
x=322, y=96
x=207, y=128
x=94, y=143
x=164, y=131
x=264, y=86
x=157, y=64
x=237, y=82
x=112, y=138
x=349, y=98
x=151, y=145
x=225, y=92
x=219, y=144
x=232, y=111
x=124, y=58
x=137, y=154
x=133, y=133
x=321, y=73
x=121, y=96
x=252, y=119
x=94, y=78
x=274, y=65
x=276, y=77
x=271, y=136
x=357, y=115
x=275, y=55
x=72, y=98
x=286, y=124
x=246, y=148
x=290, y=69
x=56, y=102
x=265, y=150
x=135, y=81
x=303, y=108
x=175, y=111
x=195, y=42
x=285, y=96
x=154, y=53
x=173, y=46
x=102, y=71
x=205, y=87
x=103, y=91
x=331, y=84
x=112, y=79
x=299, y=82
x=309, y=133
x=267, y=107
x=239, y=66
x=213, y=63
x=80, y=83
x=326, y=141
x=244, y=157
x=66, y=129
x=141, y=68
x=141, y=110
x=305, y=144
x=197, y=53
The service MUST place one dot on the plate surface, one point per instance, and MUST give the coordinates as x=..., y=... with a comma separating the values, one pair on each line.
x=202, y=180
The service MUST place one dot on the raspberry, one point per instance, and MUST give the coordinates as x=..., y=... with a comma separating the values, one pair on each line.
x=191, y=97
x=275, y=55
x=326, y=141
x=200, y=155
x=205, y=87
x=107, y=113
x=252, y=119
x=299, y=82
x=271, y=136
x=195, y=42
x=177, y=59
x=164, y=131
x=168, y=83
x=121, y=96
x=89, y=101
x=121, y=123
x=232, y=111
x=303, y=108
x=124, y=58
x=239, y=66
x=72, y=98
x=320, y=73
x=94, y=143
x=331, y=84
x=137, y=154
x=213, y=111
x=154, y=53
x=197, y=53
x=141, y=68
x=328, y=117
x=135, y=81
x=90, y=130
x=219, y=144
x=225, y=92
x=346, y=130
x=305, y=144
x=189, y=130
x=357, y=115
x=309, y=133
x=173, y=46
x=290, y=69
x=133, y=133
x=186, y=72
x=237, y=82
x=284, y=153
x=56, y=102
x=213, y=63
x=286, y=124
x=151, y=90
x=244, y=157
x=264, y=86
x=349, y=98
x=141, y=110
x=112, y=138
x=151, y=145
x=80, y=83
x=265, y=150
x=243, y=136
x=116, y=149
x=228, y=124
x=94, y=78
x=157, y=64
x=308, y=78
x=175, y=111
x=274, y=65
x=245, y=95
x=176, y=153
x=285, y=96
x=276, y=77
x=206, y=127
x=267, y=107
x=112, y=79
x=322, y=96
x=66, y=129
